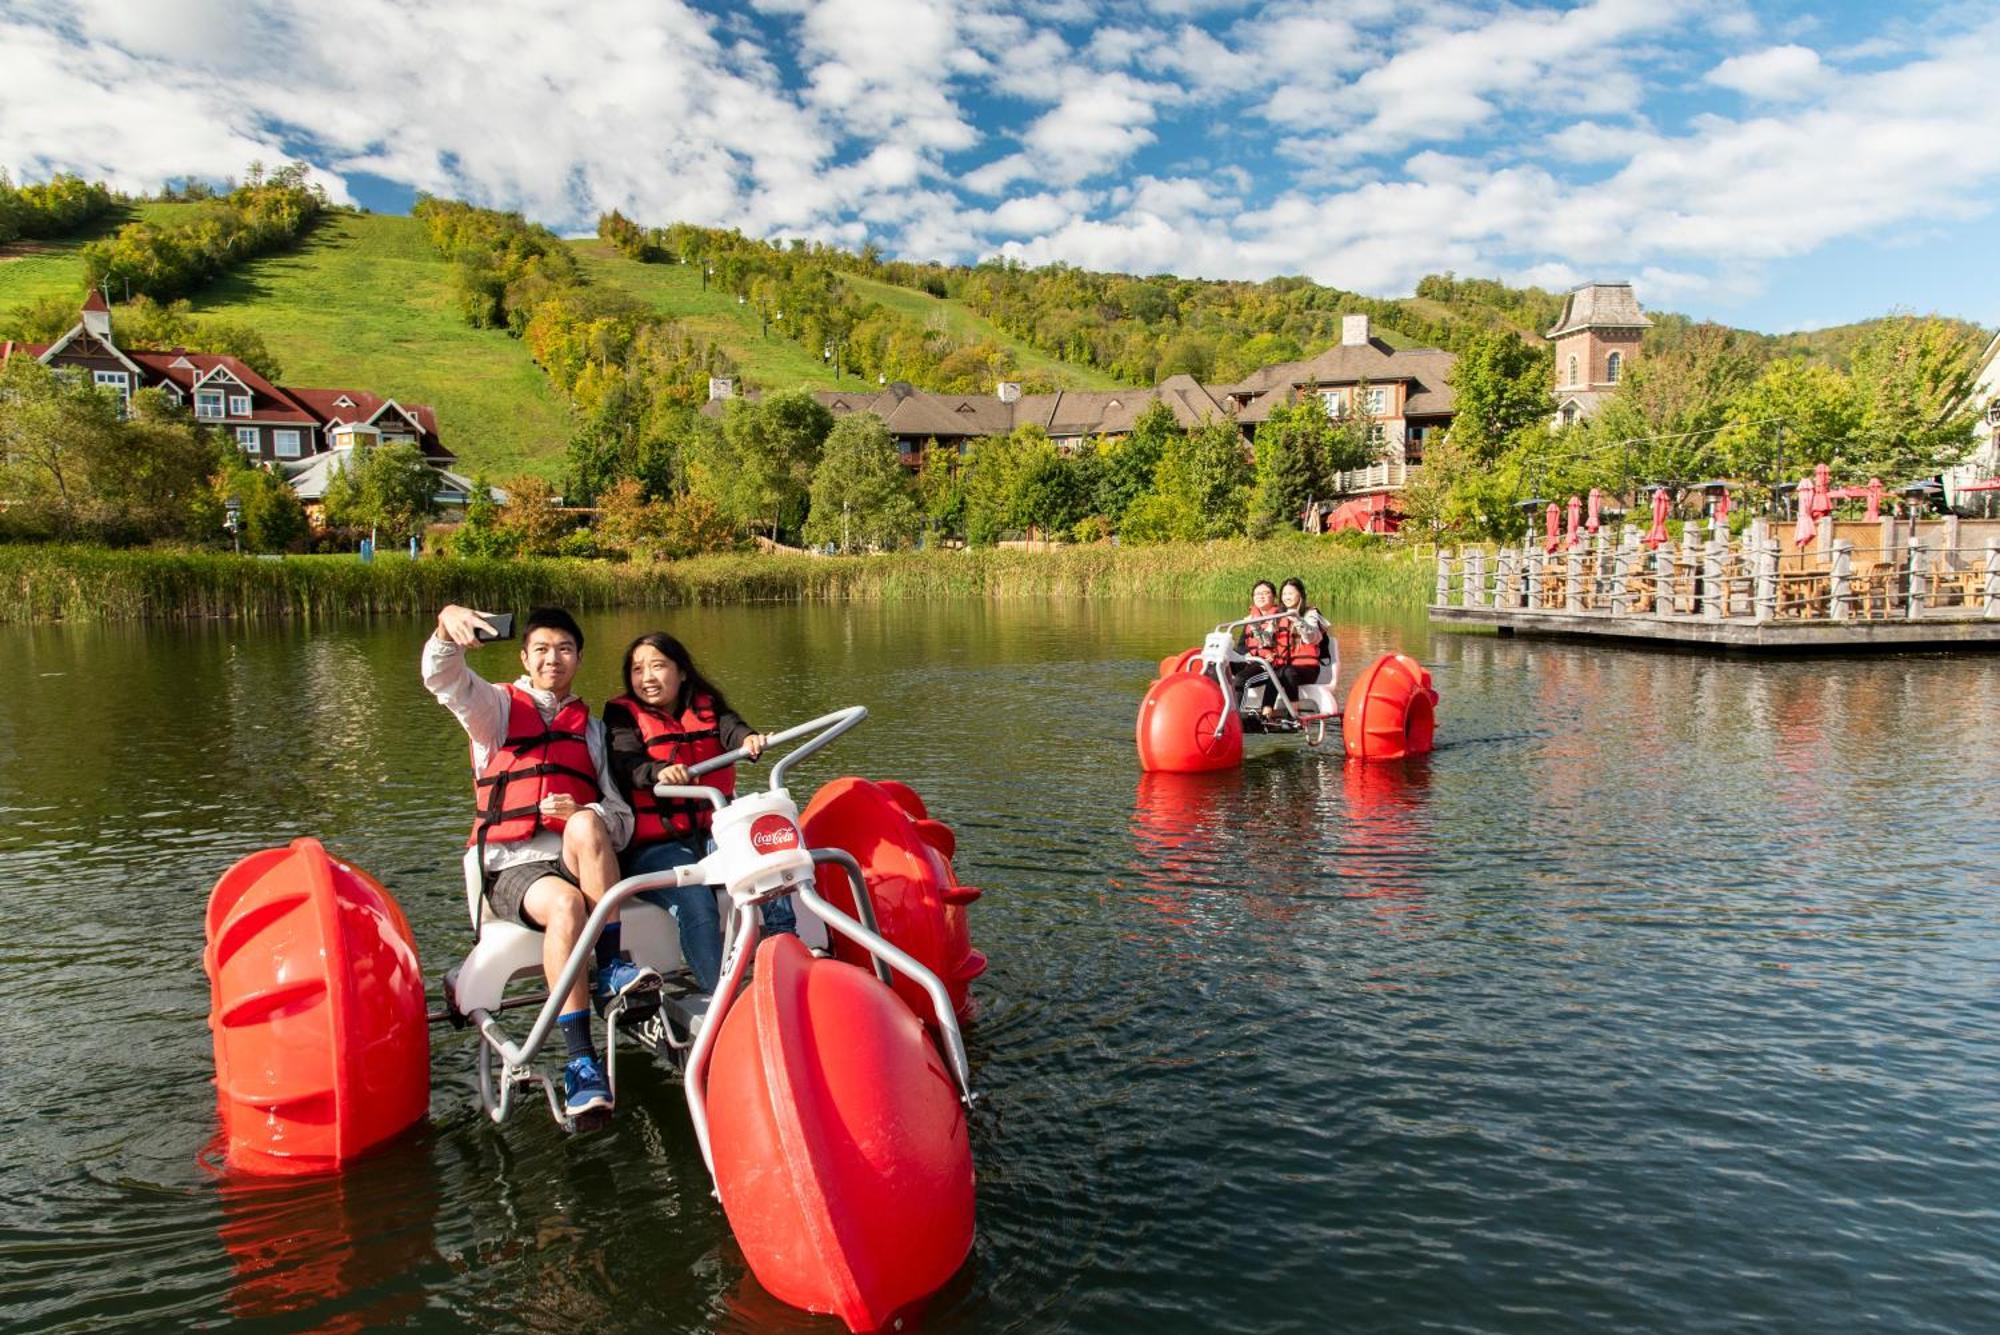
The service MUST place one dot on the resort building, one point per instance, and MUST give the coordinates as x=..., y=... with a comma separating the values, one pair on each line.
x=281, y=427
x=1405, y=393
x=1596, y=339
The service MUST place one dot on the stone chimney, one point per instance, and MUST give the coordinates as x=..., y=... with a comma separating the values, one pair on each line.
x=1353, y=330
x=1009, y=391
x=721, y=387
x=97, y=317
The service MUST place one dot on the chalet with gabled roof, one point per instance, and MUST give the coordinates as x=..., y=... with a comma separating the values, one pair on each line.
x=273, y=425
x=1405, y=394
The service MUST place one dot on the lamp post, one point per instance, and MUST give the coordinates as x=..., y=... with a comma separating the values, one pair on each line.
x=232, y=519
x=844, y=507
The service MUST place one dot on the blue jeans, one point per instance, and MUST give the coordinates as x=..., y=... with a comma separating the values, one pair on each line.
x=693, y=906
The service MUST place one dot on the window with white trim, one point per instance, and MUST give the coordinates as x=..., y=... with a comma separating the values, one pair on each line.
x=1378, y=436
x=208, y=403
x=1613, y=365
x=285, y=443
x=246, y=436
x=1572, y=370
x=1334, y=401
x=239, y=405
x=1378, y=402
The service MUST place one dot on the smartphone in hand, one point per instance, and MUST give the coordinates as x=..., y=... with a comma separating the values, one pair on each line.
x=503, y=627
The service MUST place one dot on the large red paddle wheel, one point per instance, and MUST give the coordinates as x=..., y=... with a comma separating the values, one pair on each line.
x=322, y=1049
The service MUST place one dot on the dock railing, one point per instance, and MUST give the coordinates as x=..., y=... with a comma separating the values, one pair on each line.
x=1930, y=569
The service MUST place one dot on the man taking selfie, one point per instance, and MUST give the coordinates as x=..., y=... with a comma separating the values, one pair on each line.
x=549, y=820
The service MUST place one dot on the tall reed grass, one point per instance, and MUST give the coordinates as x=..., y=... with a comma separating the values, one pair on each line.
x=92, y=584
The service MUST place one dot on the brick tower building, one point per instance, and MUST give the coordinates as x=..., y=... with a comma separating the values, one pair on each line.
x=1596, y=339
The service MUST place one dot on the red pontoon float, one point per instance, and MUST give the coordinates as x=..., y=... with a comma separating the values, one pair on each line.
x=828, y=1093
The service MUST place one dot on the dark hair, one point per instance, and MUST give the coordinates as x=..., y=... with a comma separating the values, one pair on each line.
x=552, y=618
x=1263, y=584
x=1296, y=583
x=692, y=682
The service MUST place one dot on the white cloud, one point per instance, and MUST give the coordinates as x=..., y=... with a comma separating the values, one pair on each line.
x=1776, y=74
x=1364, y=142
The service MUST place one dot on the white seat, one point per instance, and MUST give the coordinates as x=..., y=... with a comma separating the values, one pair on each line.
x=507, y=950
x=1317, y=696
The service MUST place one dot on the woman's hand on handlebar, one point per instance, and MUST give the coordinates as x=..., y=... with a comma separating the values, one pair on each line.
x=675, y=774
x=753, y=745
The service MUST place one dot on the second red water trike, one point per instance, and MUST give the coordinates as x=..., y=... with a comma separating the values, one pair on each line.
x=1197, y=712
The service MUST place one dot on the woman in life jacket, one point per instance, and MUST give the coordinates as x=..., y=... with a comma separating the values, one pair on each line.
x=1295, y=658
x=1258, y=640
x=671, y=718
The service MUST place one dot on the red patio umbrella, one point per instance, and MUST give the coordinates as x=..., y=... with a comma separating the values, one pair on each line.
x=1822, y=497
x=1592, y=524
x=1554, y=521
x=1657, y=534
x=1874, y=499
x=1575, y=517
x=1803, y=535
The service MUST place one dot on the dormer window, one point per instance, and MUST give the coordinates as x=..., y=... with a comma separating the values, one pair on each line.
x=963, y=408
x=343, y=402
x=208, y=404
x=239, y=405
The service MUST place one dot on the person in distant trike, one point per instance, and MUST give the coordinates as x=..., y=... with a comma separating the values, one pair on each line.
x=550, y=819
x=1295, y=657
x=1258, y=640
x=671, y=718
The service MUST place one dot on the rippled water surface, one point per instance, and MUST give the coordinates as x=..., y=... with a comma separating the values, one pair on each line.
x=1665, y=995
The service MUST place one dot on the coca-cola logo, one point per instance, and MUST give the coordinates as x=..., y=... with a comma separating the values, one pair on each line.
x=772, y=833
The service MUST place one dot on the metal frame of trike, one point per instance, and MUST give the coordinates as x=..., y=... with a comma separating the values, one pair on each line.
x=496, y=1094
x=1219, y=652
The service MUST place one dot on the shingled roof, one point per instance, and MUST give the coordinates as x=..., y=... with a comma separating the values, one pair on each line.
x=1600, y=306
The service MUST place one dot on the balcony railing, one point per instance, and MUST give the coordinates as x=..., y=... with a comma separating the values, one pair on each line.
x=1375, y=477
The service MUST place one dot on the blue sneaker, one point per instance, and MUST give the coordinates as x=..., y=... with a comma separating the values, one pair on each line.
x=619, y=978
x=585, y=1089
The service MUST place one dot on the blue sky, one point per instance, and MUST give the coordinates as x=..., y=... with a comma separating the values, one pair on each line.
x=1775, y=165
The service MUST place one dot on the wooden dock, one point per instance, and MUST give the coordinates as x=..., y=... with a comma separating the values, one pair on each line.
x=1856, y=587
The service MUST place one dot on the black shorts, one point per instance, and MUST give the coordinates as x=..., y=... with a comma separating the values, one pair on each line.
x=508, y=888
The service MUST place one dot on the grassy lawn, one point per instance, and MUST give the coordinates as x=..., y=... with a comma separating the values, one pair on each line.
x=778, y=363
x=767, y=359
x=31, y=270
x=365, y=303
x=969, y=327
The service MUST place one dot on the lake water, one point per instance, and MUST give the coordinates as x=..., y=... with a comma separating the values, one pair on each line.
x=1664, y=995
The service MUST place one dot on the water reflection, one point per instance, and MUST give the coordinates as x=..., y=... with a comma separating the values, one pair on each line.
x=341, y=1253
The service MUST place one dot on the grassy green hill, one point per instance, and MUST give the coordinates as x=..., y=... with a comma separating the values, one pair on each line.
x=30, y=270
x=769, y=360
x=363, y=303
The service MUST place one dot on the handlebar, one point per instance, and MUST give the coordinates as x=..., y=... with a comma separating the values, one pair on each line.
x=827, y=726
x=1253, y=621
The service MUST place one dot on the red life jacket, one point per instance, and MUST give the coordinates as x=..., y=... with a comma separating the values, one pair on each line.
x=688, y=740
x=1292, y=650
x=537, y=759
x=1258, y=640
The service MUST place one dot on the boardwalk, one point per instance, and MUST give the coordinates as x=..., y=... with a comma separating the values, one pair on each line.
x=1854, y=586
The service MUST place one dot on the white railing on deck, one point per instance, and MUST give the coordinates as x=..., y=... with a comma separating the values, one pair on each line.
x=1375, y=477
x=1758, y=577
